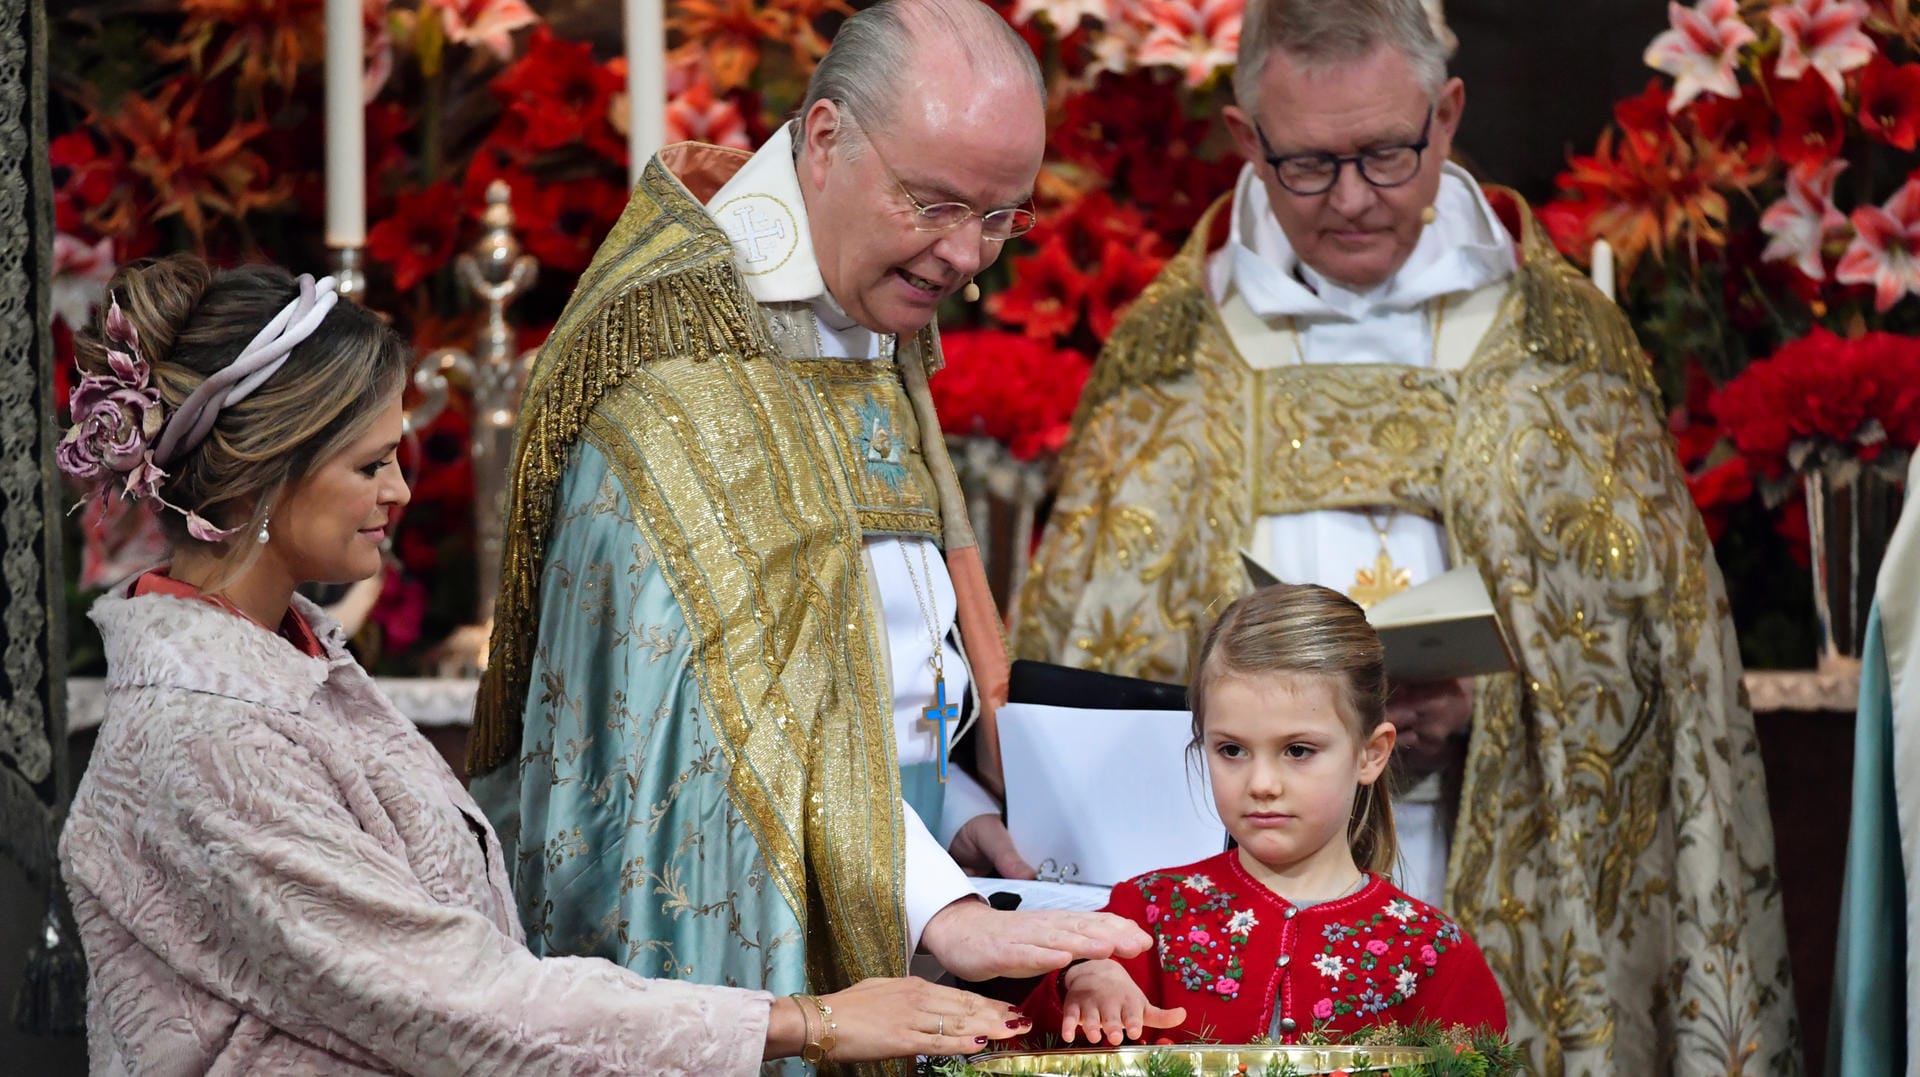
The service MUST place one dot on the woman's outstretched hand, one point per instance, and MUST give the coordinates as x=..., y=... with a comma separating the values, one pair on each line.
x=894, y=1018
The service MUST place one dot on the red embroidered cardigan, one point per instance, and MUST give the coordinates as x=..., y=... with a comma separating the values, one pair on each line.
x=1248, y=964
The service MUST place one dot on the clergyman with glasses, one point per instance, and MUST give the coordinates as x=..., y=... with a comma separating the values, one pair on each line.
x=1385, y=371
x=742, y=618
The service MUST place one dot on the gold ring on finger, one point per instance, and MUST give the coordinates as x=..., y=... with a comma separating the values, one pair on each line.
x=940, y=1028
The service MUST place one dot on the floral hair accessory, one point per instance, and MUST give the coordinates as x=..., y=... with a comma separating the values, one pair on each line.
x=120, y=430
x=115, y=419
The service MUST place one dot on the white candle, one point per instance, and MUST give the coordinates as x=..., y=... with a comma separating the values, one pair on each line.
x=646, y=83
x=1603, y=267
x=346, y=127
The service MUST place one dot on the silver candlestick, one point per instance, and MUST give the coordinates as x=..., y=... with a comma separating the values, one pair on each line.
x=349, y=272
x=494, y=374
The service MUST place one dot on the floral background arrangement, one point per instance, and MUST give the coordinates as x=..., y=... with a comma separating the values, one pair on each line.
x=1763, y=198
x=192, y=125
x=1761, y=195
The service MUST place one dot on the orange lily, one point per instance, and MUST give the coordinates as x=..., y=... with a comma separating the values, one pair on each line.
x=270, y=40
x=730, y=33
x=190, y=179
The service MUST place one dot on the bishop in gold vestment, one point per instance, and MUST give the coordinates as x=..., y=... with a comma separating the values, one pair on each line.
x=1612, y=853
x=739, y=569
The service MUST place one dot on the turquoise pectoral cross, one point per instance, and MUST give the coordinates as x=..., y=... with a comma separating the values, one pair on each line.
x=940, y=712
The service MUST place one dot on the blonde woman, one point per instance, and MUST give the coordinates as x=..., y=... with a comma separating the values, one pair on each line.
x=272, y=870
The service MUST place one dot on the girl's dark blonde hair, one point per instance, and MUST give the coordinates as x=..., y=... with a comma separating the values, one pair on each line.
x=1292, y=628
x=192, y=321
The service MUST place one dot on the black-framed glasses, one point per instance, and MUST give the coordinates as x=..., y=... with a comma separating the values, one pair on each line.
x=997, y=225
x=1316, y=173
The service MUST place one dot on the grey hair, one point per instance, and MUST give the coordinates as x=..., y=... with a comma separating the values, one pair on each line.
x=874, y=50
x=1321, y=32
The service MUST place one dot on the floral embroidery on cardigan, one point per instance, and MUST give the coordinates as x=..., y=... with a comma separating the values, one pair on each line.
x=1199, y=934
x=1379, y=960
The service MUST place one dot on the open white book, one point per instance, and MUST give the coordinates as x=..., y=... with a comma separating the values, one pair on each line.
x=1437, y=630
x=1095, y=797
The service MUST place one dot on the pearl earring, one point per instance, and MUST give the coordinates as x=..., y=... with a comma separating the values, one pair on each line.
x=971, y=293
x=1429, y=215
x=261, y=536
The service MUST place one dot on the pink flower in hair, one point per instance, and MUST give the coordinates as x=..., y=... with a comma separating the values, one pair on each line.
x=116, y=416
x=113, y=422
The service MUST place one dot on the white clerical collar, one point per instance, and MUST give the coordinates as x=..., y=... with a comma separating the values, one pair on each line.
x=1464, y=249
x=762, y=212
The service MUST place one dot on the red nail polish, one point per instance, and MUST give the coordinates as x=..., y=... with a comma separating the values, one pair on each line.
x=1022, y=1023
x=980, y=1039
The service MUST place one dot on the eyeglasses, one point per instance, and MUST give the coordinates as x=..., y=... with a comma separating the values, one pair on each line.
x=1316, y=173
x=998, y=225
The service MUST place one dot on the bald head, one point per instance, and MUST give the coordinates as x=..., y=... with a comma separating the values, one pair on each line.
x=920, y=103
x=877, y=52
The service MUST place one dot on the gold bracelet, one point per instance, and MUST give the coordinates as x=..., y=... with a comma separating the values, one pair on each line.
x=806, y=1021
x=816, y=1050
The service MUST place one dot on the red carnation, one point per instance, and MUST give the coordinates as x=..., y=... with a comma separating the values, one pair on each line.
x=1009, y=387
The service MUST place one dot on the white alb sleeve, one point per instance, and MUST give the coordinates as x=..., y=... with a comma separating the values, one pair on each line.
x=933, y=880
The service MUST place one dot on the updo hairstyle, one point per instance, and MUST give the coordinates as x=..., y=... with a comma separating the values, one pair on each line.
x=192, y=321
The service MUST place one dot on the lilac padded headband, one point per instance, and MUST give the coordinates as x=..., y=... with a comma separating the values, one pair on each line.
x=190, y=423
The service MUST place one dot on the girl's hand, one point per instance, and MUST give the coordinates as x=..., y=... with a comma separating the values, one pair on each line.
x=1103, y=1001
x=899, y=1018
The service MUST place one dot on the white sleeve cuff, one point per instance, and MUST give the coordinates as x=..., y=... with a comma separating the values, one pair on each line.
x=966, y=799
x=933, y=880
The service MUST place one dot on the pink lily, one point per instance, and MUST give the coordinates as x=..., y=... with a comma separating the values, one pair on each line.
x=1824, y=35
x=1701, y=50
x=1885, y=251
x=1200, y=36
x=1801, y=220
x=485, y=22
x=695, y=115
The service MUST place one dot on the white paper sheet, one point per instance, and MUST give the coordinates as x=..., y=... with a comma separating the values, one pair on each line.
x=1099, y=796
x=1034, y=894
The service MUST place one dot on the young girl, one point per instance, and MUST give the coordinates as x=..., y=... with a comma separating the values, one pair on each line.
x=1297, y=928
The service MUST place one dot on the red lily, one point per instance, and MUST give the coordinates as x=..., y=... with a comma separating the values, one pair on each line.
x=1890, y=102
x=1047, y=292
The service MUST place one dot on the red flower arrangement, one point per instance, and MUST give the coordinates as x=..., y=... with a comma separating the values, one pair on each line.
x=189, y=126
x=1009, y=387
x=1765, y=208
x=201, y=140
x=1134, y=159
x=1825, y=400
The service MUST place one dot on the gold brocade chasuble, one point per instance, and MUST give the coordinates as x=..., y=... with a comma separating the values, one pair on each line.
x=755, y=469
x=1613, y=854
